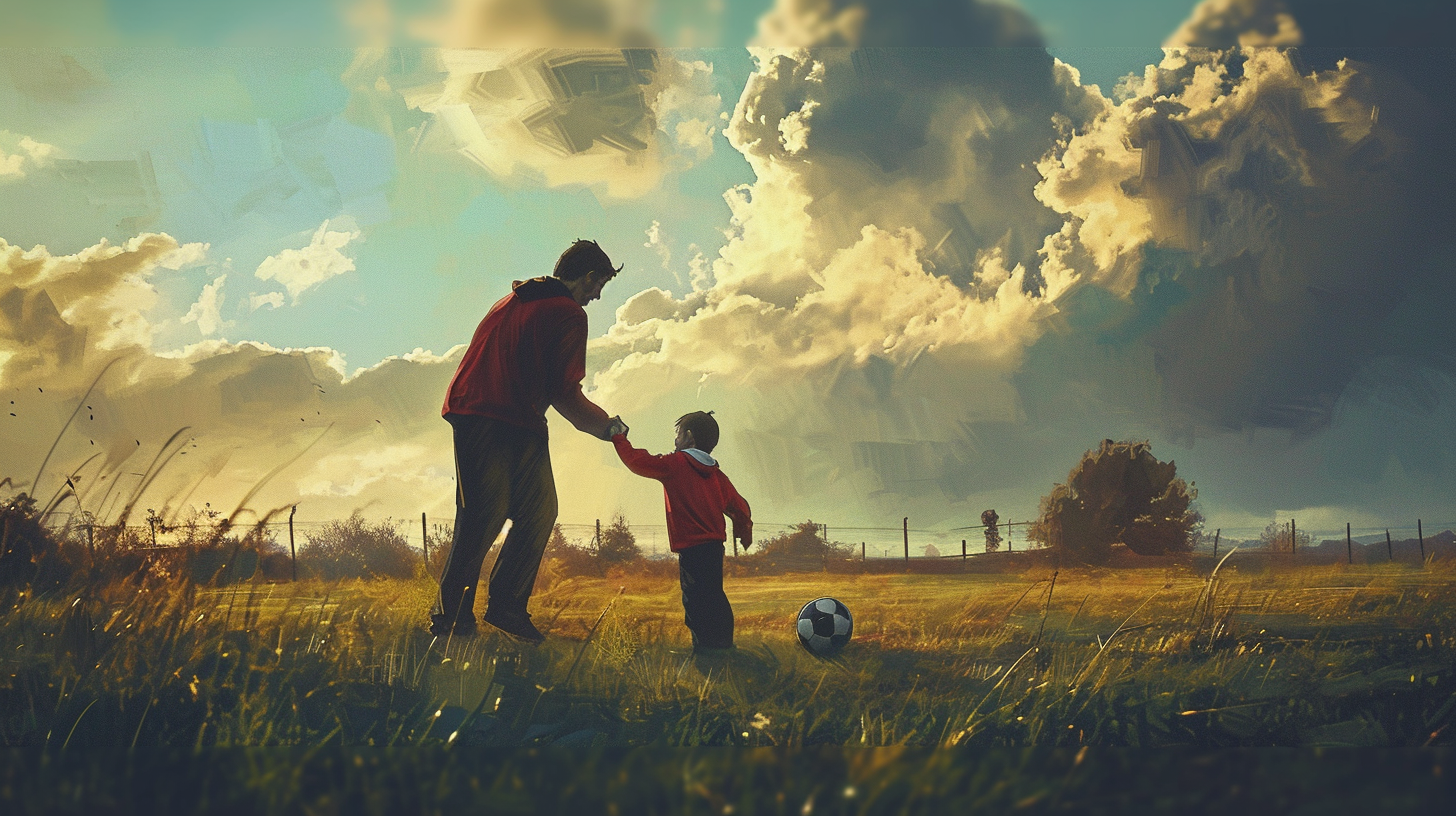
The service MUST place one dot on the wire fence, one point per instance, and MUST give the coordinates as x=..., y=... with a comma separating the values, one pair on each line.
x=869, y=543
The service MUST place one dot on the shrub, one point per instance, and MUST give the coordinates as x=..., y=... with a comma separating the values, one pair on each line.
x=353, y=548
x=1119, y=493
x=1276, y=537
x=24, y=543
x=801, y=548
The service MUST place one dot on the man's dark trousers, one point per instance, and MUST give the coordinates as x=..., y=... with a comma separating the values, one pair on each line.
x=501, y=472
x=705, y=606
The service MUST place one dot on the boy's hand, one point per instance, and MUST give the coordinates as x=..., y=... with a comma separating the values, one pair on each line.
x=617, y=426
x=746, y=542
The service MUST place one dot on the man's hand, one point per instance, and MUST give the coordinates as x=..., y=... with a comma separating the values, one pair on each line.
x=617, y=426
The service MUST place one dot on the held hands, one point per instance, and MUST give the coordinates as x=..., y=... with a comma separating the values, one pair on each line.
x=617, y=426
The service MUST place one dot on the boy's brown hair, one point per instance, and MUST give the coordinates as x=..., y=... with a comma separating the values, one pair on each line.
x=703, y=428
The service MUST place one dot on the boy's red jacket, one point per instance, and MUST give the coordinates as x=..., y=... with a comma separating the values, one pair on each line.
x=527, y=354
x=698, y=496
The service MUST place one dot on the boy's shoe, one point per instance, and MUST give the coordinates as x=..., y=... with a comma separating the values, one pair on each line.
x=516, y=624
x=440, y=627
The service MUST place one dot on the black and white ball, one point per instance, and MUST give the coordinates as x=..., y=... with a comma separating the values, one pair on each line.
x=824, y=626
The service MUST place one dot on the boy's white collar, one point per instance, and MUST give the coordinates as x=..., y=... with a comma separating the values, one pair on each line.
x=700, y=456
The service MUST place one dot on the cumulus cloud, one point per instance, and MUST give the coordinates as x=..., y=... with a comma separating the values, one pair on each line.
x=896, y=24
x=1225, y=24
x=19, y=155
x=54, y=308
x=242, y=409
x=553, y=94
x=940, y=246
x=350, y=475
x=271, y=299
x=299, y=270
x=884, y=272
x=207, y=311
x=1276, y=197
x=535, y=24
x=614, y=119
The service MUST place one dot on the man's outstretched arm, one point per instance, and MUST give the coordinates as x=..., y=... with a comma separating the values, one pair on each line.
x=586, y=416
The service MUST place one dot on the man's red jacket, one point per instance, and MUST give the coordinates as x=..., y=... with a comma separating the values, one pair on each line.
x=698, y=495
x=528, y=353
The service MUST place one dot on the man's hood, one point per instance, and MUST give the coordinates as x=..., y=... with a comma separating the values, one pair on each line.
x=701, y=462
x=540, y=289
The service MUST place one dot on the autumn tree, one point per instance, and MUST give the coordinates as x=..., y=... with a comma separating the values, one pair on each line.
x=1118, y=493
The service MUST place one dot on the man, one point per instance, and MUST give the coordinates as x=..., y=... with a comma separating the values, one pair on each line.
x=527, y=354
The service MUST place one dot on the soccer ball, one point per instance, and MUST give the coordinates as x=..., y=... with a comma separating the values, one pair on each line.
x=824, y=627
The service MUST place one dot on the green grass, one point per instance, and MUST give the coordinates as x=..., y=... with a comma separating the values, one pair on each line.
x=1045, y=663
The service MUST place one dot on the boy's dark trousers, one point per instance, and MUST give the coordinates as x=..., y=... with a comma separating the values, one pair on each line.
x=705, y=606
x=501, y=472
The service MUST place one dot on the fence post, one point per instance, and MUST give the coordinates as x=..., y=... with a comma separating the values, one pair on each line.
x=1293, y=538
x=963, y=549
x=425, y=538
x=1421, y=536
x=1216, y=534
x=597, y=542
x=292, y=552
x=1009, y=526
x=861, y=552
x=906, y=528
x=1349, y=547
x=1389, y=551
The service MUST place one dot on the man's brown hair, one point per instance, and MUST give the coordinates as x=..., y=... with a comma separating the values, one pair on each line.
x=703, y=428
x=582, y=257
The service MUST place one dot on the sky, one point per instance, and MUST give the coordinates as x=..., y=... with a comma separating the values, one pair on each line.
x=918, y=256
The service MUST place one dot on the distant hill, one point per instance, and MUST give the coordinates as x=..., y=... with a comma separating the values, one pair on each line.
x=1373, y=550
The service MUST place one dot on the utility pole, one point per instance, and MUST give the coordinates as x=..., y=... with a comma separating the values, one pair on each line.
x=1389, y=550
x=1349, y=547
x=907, y=538
x=425, y=537
x=1421, y=536
x=1215, y=543
x=292, y=552
x=1293, y=538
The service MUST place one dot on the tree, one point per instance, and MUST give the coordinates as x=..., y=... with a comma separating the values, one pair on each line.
x=931, y=551
x=1119, y=493
x=993, y=532
x=618, y=544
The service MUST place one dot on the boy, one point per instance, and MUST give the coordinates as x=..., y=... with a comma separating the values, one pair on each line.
x=698, y=495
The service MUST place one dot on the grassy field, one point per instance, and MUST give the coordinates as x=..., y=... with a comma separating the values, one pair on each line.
x=1043, y=662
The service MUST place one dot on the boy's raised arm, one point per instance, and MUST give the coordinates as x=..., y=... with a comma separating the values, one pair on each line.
x=639, y=461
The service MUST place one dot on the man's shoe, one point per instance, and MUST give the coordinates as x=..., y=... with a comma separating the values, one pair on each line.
x=516, y=624
x=440, y=626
